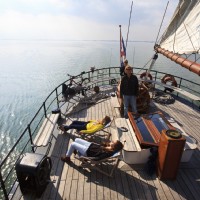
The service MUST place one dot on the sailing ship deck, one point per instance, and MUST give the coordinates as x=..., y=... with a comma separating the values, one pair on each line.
x=128, y=181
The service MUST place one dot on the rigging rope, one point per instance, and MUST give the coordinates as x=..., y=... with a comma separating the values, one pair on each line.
x=161, y=23
x=129, y=24
x=155, y=55
x=153, y=59
x=144, y=66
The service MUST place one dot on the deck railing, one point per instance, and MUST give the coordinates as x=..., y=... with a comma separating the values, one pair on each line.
x=24, y=143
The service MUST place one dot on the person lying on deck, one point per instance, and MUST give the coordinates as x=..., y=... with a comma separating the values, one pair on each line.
x=89, y=149
x=89, y=127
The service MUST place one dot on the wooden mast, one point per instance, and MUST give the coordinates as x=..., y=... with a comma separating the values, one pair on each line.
x=184, y=62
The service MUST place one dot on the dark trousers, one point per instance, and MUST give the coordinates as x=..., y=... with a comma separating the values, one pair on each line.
x=79, y=125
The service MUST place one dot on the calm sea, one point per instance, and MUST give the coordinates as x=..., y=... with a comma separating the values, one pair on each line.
x=30, y=70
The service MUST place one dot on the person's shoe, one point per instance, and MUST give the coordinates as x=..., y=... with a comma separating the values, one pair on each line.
x=65, y=159
x=66, y=128
x=75, y=152
x=63, y=128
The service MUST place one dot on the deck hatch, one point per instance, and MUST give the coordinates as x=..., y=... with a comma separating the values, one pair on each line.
x=148, y=127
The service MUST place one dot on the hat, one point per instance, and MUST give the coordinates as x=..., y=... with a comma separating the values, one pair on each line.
x=125, y=61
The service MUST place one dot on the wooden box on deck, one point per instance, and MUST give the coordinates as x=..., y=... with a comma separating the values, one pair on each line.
x=169, y=156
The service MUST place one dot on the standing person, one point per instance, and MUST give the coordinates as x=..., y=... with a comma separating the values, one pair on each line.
x=122, y=68
x=129, y=90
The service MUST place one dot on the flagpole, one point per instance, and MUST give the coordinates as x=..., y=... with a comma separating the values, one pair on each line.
x=120, y=44
x=129, y=24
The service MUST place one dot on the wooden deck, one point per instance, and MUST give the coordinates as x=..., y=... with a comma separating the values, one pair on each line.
x=129, y=181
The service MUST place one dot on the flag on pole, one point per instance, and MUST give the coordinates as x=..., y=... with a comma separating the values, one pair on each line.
x=122, y=51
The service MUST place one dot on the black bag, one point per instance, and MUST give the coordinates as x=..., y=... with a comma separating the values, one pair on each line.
x=66, y=90
x=55, y=111
x=150, y=166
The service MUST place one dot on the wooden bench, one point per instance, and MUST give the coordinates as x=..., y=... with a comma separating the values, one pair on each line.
x=131, y=142
x=115, y=105
x=45, y=132
x=132, y=152
x=115, y=102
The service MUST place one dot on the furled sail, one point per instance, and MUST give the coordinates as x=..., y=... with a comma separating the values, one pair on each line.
x=183, y=35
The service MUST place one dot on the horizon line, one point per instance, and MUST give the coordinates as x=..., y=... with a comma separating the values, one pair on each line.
x=75, y=40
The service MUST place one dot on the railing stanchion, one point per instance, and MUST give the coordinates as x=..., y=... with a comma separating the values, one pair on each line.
x=57, y=97
x=3, y=186
x=179, y=84
x=45, y=112
x=31, y=139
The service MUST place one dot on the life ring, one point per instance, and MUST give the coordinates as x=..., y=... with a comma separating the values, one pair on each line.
x=145, y=74
x=169, y=78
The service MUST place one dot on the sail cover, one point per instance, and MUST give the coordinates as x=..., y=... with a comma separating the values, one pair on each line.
x=183, y=33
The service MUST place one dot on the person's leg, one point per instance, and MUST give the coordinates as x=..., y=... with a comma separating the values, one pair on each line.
x=77, y=122
x=79, y=126
x=126, y=104
x=83, y=142
x=76, y=125
x=76, y=146
x=133, y=104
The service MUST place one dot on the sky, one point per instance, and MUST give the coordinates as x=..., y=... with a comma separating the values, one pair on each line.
x=82, y=19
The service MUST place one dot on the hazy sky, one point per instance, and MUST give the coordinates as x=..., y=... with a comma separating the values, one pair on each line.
x=82, y=19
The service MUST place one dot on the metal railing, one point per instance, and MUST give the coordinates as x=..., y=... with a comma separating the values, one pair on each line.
x=25, y=142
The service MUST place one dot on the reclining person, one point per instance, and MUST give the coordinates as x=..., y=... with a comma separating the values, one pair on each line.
x=89, y=149
x=89, y=127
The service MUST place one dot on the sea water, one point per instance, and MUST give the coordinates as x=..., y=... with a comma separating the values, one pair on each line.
x=30, y=70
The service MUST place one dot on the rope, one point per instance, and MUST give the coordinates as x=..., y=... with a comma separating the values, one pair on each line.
x=144, y=65
x=161, y=23
x=163, y=98
x=124, y=129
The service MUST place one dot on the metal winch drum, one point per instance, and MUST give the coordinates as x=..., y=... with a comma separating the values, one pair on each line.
x=33, y=173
